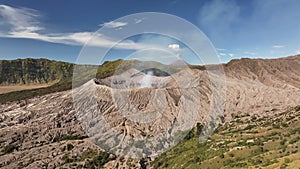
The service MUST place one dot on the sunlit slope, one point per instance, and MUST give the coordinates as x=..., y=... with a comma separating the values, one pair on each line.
x=271, y=141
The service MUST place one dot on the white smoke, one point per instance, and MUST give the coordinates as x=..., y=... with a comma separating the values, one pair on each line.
x=146, y=80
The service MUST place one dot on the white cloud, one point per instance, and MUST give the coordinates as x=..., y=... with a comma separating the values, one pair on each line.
x=113, y=24
x=278, y=46
x=174, y=46
x=24, y=23
x=30, y=27
x=19, y=19
x=222, y=54
x=226, y=54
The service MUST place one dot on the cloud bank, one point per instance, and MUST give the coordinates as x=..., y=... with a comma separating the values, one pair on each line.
x=24, y=23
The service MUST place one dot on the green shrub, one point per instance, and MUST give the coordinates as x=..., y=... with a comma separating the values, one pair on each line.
x=9, y=149
x=227, y=162
x=297, y=108
x=282, y=142
x=98, y=161
x=249, y=127
x=276, y=126
x=69, y=147
x=287, y=160
x=294, y=140
x=69, y=137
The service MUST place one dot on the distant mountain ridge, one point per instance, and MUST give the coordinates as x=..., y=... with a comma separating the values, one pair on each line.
x=33, y=71
x=179, y=63
x=271, y=72
x=278, y=73
x=59, y=74
x=40, y=71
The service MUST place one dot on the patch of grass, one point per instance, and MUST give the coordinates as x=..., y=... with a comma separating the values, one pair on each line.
x=92, y=158
x=99, y=160
x=69, y=137
x=88, y=154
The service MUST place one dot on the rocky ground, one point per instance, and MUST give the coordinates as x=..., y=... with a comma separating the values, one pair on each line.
x=48, y=132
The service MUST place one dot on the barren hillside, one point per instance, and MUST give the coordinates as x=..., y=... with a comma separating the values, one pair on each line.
x=46, y=131
x=260, y=85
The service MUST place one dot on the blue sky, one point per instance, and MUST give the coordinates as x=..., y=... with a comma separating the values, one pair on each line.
x=58, y=29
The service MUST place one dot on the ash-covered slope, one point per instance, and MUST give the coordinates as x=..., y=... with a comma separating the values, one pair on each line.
x=280, y=72
x=258, y=86
x=37, y=132
x=49, y=131
x=128, y=110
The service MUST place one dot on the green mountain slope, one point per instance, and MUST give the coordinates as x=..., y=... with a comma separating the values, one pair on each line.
x=246, y=142
x=39, y=71
x=33, y=71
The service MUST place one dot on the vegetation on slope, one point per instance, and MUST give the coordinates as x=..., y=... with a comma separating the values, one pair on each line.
x=33, y=71
x=63, y=84
x=90, y=158
x=110, y=68
x=246, y=142
x=39, y=71
x=26, y=71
